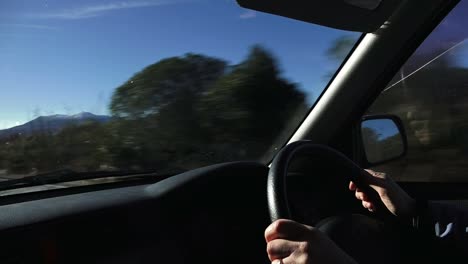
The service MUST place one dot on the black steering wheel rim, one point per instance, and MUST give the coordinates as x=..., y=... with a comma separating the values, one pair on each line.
x=276, y=184
x=360, y=236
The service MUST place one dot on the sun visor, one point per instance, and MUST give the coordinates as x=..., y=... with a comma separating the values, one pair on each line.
x=354, y=15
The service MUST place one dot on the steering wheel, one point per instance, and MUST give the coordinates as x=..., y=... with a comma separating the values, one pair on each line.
x=350, y=231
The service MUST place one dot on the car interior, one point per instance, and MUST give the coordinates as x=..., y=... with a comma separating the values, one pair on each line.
x=218, y=213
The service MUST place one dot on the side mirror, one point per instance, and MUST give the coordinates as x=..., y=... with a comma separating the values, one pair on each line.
x=383, y=138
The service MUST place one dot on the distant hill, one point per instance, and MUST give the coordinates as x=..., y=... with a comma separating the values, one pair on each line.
x=52, y=123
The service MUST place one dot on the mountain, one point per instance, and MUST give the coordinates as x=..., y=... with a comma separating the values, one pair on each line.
x=52, y=123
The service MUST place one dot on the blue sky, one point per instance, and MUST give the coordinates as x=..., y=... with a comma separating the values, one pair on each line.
x=383, y=128
x=65, y=56
x=68, y=56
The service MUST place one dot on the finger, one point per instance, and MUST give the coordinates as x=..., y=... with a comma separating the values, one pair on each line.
x=293, y=259
x=286, y=229
x=369, y=206
x=280, y=248
x=352, y=186
x=361, y=196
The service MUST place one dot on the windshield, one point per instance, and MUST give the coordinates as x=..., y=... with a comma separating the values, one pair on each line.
x=153, y=85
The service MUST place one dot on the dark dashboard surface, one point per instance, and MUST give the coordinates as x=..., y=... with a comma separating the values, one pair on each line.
x=207, y=215
x=198, y=216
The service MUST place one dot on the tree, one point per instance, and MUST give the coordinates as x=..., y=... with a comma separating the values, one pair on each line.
x=248, y=108
x=177, y=114
x=163, y=83
x=340, y=48
x=155, y=110
x=190, y=111
x=83, y=147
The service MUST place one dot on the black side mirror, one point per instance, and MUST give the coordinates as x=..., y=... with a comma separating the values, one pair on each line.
x=383, y=139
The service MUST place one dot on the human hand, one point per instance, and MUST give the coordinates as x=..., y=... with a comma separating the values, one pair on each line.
x=397, y=201
x=289, y=242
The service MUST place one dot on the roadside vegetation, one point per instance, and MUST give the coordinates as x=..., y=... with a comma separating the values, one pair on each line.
x=176, y=114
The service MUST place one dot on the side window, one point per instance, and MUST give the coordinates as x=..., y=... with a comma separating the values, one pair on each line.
x=430, y=95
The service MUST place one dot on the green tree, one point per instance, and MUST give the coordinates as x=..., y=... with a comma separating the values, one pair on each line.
x=190, y=111
x=156, y=120
x=175, y=79
x=83, y=147
x=177, y=114
x=248, y=108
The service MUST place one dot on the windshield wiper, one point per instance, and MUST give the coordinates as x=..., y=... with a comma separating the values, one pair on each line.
x=66, y=175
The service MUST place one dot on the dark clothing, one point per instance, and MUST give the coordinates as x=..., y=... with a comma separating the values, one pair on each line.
x=438, y=232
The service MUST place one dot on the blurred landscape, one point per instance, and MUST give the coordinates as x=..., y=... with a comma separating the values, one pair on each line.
x=176, y=114
x=194, y=110
x=432, y=102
